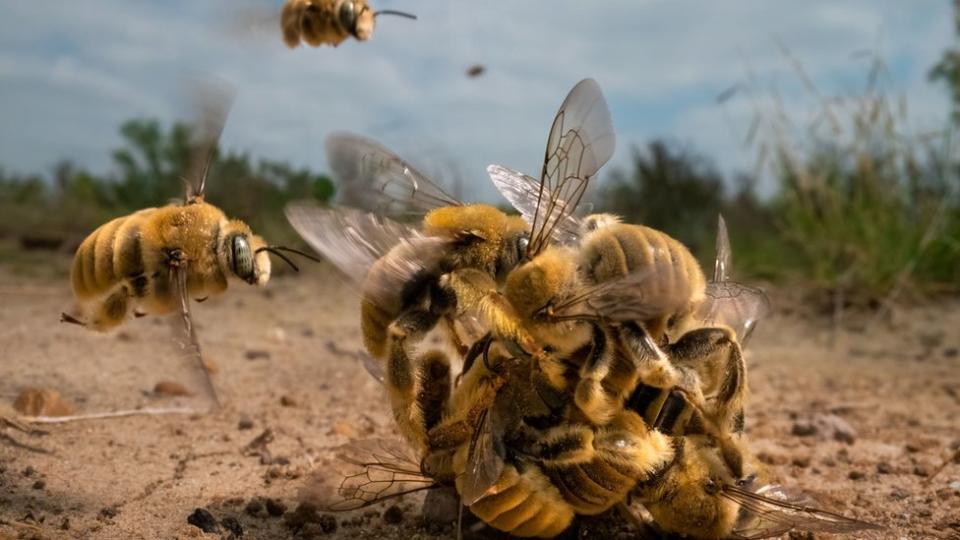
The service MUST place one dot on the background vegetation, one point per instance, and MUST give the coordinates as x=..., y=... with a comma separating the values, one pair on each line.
x=862, y=211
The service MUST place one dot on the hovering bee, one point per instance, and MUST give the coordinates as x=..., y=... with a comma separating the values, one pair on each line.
x=412, y=279
x=329, y=22
x=155, y=260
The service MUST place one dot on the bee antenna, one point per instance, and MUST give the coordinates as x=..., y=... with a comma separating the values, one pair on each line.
x=393, y=12
x=276, y=250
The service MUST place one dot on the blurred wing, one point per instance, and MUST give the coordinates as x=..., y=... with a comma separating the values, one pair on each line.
x=772, y=511
x=375, y=179
x=581, y=140
x=354, y=240
x=213, y=102
x=376, y=470
x=191, y=345
x=734, y=305
x=485, y=461
x=722, y=265
x=627, y=298
x=523, y=192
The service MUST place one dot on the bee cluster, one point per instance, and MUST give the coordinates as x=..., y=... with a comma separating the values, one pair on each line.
x=591, y=363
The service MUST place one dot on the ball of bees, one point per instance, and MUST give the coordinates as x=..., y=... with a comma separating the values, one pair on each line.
x=608, y=367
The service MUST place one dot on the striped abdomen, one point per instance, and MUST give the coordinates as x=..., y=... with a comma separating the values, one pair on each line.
x=111, y=254
x=524, y=502
x=676, y=284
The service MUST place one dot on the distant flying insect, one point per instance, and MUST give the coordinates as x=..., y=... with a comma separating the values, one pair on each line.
x=329, y=22
x=476, y=70
x=155, y=260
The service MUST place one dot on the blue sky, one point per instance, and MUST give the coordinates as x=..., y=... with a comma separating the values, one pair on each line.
x=71, y=72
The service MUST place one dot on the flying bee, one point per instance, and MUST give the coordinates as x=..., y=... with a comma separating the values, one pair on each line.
x=329, y=22
x=411, y=279
x=155, y=260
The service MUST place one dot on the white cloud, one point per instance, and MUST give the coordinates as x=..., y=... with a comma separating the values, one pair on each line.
x=73, y=73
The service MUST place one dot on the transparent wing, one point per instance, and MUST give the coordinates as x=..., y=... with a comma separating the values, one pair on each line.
x=354, y=240
x=191, y=346
x=213, y=102
x=722, y=265
x=772, y=511
x=731, y=304
x=523, y=192
x=376, y=470
x=627, y=298
x=373, y=178
x=485, y=461
x=581, y=140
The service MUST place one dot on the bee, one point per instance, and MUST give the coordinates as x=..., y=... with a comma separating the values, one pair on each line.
x=155, y=260
x=329, y=22
x=411, y=279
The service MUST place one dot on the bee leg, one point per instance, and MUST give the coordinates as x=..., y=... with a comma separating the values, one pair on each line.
x=605, y=379
x=112, y=310
x=477, y=290
x=714, y=355
x=566, y=444
x=67, y=318
x=434, y=384
x=402, y=377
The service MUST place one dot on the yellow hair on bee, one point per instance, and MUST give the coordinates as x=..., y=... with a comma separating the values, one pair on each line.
x=482, y=220
x=532, y=286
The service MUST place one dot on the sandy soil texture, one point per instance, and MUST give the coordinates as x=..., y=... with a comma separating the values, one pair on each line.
x=861, y=418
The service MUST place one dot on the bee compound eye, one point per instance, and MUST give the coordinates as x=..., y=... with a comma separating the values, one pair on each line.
x=522, y=244
x=348, y=16
x=242, y=257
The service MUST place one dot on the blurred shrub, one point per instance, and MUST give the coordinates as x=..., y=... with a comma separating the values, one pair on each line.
x=149, y=170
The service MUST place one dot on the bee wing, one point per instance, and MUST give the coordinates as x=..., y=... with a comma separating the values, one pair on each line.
x=376, y=470
x=354, y=240
x=738, y=306
x=626, y=298
x=213, y=102
x=373, y=178
x=722, y=265
x=581, y=140
x=773, y=510
x=523, y=193
x=191, y=346
x=485, y=460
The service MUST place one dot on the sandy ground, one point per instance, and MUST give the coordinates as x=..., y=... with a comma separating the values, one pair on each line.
x=284, y=364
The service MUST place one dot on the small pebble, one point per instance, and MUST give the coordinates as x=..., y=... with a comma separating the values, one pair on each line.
x=855, y=475
x=65, y=524
x=804, y=429
x=171, y=388
x=920, y=470
x=257, y=354
x=899, y=494
x=254, y=507
x=29, y=471
x=393, y=515
x=951, y=352
x=39, y=484
x=233, y=525
x=328, y=523
x=275, y=508
x=109, y=511
x=287, y=401
x=245, y=423
x=884, y=468
x=801, y=461
x=203, y=520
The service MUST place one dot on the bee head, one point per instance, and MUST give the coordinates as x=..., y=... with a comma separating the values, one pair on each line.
x=243, y=257
x=537, y=285
x=696, y=506
x=484, y=236
x=356, y=17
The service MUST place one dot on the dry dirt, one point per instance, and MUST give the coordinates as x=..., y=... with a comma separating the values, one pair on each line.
x=285, y=364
